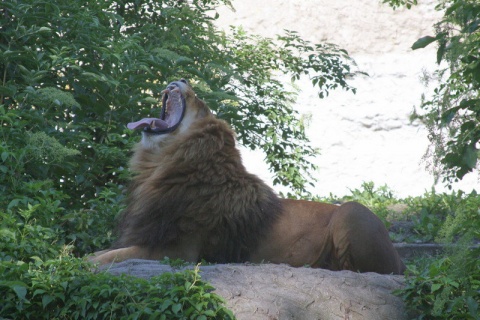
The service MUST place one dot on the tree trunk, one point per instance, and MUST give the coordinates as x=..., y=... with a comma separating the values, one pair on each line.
x=270, y=291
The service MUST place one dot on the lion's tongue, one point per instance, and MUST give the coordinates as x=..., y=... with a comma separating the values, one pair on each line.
x=148, y=122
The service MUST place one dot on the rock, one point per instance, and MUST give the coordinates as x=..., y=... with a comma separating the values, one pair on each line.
x=270, y=291
x=412, y=250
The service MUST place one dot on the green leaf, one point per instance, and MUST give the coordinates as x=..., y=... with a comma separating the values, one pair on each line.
x=441, y=52
x=176, y=308
x=469, y=103
x=46, y=299
x=448, y=115
x=166, y=304
x=38, y=291
x=44, y=29
x=210, y=313
x=18, y=287
x=435, y=287
x=5, y=156
x=468, y=126
x=470, y=157
x=453, y=7
x=7, y=235
x=150, y=100
x=423, y=42
x=472, y=307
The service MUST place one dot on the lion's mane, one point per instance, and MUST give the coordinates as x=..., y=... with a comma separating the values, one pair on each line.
x=196, y=184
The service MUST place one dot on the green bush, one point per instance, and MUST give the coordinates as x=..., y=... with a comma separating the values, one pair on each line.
x=448, y=287
x=443, y=217
x=21, y=238
x=42, y=280
x=465, y=223
x=377, y=199
x=78, y=71
x=429, y=212
x=37, y=223
x=65, y=288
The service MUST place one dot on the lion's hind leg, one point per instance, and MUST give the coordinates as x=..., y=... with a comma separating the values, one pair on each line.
x=119, y=255
x=361, y=242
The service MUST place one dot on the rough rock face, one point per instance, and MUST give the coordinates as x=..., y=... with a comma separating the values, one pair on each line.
x=270, y=291
x=365, y=136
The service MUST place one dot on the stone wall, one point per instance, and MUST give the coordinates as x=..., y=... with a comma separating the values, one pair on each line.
x=365, y=136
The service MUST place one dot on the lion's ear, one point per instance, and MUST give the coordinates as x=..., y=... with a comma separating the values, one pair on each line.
x=229, y=139
x=221, y=132
x=203, y=110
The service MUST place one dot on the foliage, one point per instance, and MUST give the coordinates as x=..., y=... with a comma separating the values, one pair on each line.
x=80, y=70
x=440, y=217
x=376, y=199
x=452, y=114
x=66, y=289
x=40, y=276
x=444, y=217
x=448, y=288
x=465, y=222
x=22, y=238
x=261, y=109
x=400, y=3
x=429, y=212
x=72, y=74
x=38, y=214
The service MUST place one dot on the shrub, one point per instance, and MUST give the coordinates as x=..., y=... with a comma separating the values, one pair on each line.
x=79, y=71
x=449, y=287
x=376, y=199
x=37, y=223
x=442, y=217
x=465, y=223
x=65, y=288
x=429, y=212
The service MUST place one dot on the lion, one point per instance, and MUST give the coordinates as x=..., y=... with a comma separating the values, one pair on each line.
x=191, y=198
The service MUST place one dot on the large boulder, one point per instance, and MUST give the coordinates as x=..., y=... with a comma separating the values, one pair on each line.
x=271, y=291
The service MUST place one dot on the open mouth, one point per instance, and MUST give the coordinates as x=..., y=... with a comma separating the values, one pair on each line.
x=171, y=115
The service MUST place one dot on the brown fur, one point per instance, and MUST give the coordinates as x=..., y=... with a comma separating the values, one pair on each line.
x=192, y=198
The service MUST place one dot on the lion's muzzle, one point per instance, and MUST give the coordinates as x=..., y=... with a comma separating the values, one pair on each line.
x=171, y=114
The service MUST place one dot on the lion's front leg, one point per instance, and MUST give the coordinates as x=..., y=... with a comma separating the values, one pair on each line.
x=118, y=255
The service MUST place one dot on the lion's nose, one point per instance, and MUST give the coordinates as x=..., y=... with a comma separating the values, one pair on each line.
x=172, y=86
